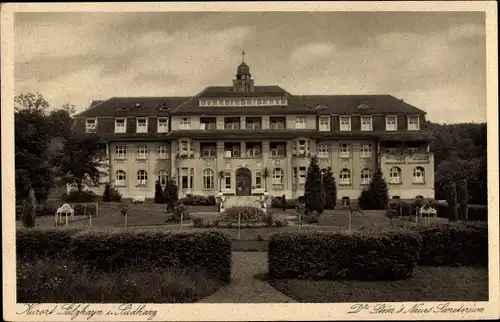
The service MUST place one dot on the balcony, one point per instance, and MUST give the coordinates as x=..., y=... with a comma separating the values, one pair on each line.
x=408, y=159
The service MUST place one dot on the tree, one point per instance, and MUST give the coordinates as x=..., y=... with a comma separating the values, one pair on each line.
x=106, y=196
x=33, y=134
x=265, y=175
x=221, y=175
x=376, y=196
x=330, y=187
x=463, y=196
x=450, y=189
x=159, y=193
x=30, y=211
x=81, y=161
x=170, y=193
x=313, y=189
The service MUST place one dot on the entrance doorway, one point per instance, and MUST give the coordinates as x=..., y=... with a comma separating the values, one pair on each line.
x=243, y=182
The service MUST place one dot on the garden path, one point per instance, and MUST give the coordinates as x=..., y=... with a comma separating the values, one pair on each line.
x=245, y=287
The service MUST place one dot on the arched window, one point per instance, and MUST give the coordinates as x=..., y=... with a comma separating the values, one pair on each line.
x=120, y=178
x=366, y=176
x=345, y=176
x=208, y=179
x=278, y=176
x=163, y=177
x=395, y=175
x=142, y=178
x=418, y=175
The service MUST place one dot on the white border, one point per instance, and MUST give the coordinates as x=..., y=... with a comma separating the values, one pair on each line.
x=242, y=312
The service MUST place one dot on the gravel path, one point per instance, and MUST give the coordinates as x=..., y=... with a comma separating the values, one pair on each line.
x=244, y=286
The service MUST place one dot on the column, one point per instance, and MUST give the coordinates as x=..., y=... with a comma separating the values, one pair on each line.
x=242, y=122
x=173, y=153
x=289, y=169
x=243, y=148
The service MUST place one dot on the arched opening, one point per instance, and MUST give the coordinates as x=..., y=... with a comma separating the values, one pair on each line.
x=243, y=182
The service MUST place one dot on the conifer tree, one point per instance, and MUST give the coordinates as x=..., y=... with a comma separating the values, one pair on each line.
x=106, y=196
x=330, y=187
x=313, y=190
x=158, y=193
x=376, y=196
x=170, y=193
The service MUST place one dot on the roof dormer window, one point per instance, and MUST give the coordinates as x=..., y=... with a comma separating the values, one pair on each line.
x=90, y=125
x=363, y=107
x=142, y=125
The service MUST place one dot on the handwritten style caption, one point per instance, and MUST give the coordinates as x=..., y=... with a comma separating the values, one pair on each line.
x=74, y=311
x=418, y=308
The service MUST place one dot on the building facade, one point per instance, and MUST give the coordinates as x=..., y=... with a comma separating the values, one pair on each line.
x=225, y=139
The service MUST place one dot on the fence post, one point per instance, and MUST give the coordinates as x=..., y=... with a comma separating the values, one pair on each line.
x=239, y=226
x=66, y=213
x=126, y=219
x=182, y=220
x=350, y=218
x=96, y=208
x=300, y=220
x=90, y=219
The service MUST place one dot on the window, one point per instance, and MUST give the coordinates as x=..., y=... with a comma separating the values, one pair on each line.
x=142, y=178
x=345, y=177
x=323, y=150
x=121, y=152
x=277, y=123
x=277, y=149
x=232, y=123
x=391, y=123
x=90, y=125
x=366, y=150
x=208, y=150
x=366, y=176
x=142, y=125
x=345, y=123
x=418, y=175
x=121, y=125
x=227, y=180
x=162, y=152
x=302, y=175
x=142, y=152
x=258, y=179
x=254, y=150
x=300, y=147
x=366, y=123
x=184, y=178
x=208, y=179
x=413, y=123
x=300, y=122
x=185, y=148
x=345, y=151
x=278, y=176
x=253, y=123
x=120, y=178
x=163, y=177
x=395, y=175
x=232, y=150
x=185, y=123
x=324, y=123
x=162, y=124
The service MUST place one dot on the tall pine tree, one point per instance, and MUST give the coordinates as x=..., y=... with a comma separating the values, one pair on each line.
x=376, y=196
x=330, y=187
x=158, y=193
x=313, y=190
x=170, y=194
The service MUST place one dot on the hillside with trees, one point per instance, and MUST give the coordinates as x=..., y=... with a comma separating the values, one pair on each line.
x=460, y=159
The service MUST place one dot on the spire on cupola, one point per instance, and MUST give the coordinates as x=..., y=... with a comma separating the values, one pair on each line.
x=243, y=81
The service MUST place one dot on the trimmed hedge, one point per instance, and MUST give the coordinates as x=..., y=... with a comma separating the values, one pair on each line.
x=454, y=244
x=359, y=256
x=111, y=250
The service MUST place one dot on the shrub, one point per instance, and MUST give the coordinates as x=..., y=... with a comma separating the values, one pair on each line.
x=478, y=213
x=281, y=223
x=46, y=209
x=247, y=214
x=179, y=210
x=400, y=208
x=277, y=202
x=159, y=198
x=37, y=243
x=105, y=195
x=211, y=200
x=79, y=196
x=376, y=195
x=454, y=244
x=269, y=219
x=330, y=187
x=365, y=256
x=310, y=219
x=111, y=250
x=197, y=222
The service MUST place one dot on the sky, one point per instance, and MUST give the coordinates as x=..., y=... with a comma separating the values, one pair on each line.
x=435, y=61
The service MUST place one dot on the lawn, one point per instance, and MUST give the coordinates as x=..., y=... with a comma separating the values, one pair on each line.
x=60, y=281
x=427, y=284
